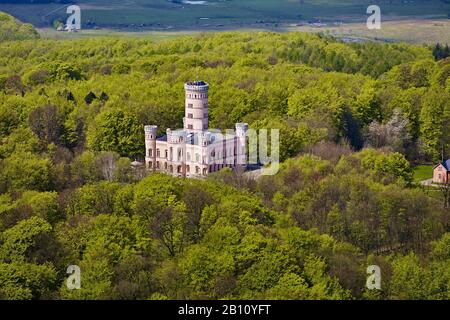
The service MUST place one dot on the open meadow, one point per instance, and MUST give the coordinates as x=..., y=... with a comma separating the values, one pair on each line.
x=213, y=13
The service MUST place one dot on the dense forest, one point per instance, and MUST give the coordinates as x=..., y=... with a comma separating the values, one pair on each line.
x=353, y=119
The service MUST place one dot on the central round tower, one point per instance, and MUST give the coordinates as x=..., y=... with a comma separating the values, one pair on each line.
x=196, y=108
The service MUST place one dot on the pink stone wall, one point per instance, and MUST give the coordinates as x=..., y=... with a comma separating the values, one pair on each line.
x=440, y=174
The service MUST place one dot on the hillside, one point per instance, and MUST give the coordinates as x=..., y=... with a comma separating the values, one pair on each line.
x=12, y=29
x=353, y=117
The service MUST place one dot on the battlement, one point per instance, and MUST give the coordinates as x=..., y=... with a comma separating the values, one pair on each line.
x=151, y=129
x=197, y=86
x=150, y=132
x=176, y=136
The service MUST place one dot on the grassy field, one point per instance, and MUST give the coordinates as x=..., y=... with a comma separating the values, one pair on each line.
x=216, y=13
x=423, y=172
x=413, y=31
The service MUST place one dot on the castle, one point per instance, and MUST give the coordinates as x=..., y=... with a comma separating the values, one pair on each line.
x=195, y=151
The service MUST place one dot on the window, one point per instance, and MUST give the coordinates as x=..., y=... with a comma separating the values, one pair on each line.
x=190, y=115
x=190, y=105
x=197, y=157
x=150, y=152
x=166, y=151
x=205, y=115
x=158, y=153
x=157, y=164
x=188, y=156
x=197, y=170
x=165, y=165
x=190, y=126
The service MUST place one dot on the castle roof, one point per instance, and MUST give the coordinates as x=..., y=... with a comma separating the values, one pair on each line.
x=193, y=138
x=446, y=164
